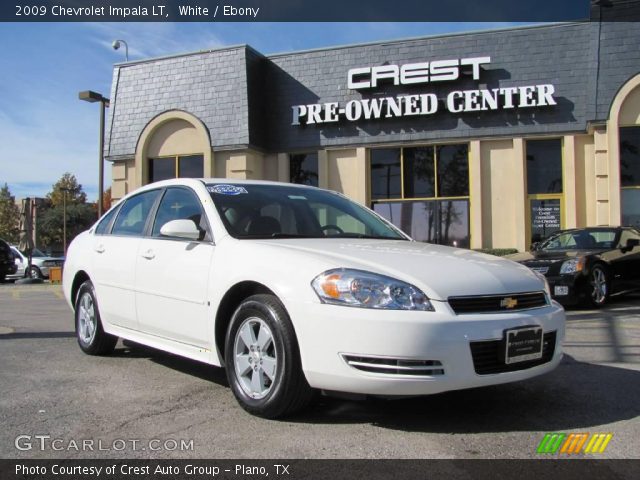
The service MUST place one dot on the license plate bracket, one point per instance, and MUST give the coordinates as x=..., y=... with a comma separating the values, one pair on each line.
x=523, y=344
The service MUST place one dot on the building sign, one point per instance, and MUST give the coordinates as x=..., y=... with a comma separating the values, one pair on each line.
x=545, y=218
x=457, y=101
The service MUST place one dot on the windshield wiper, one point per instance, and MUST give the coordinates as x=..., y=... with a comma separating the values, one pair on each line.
x=362, y=235
x=291, y=235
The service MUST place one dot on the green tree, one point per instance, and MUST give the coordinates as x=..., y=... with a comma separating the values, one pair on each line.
x=80, y=217
x=9, y=216
x=80, y=214
x=74, y=191
x=106, y=200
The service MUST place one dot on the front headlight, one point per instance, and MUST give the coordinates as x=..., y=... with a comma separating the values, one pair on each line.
x=573, y=266
x=357, y=288
x=547, y=288
x=48, y=263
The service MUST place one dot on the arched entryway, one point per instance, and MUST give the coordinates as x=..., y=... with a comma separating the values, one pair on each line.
x=624, y=145
x=174, y=144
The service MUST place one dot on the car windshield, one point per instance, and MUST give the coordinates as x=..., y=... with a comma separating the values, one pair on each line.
x=581, y=240
x=34, y=253
x=37, y=253
x=252, y=211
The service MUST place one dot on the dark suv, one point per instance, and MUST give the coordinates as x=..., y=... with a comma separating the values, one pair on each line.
x=7, y=261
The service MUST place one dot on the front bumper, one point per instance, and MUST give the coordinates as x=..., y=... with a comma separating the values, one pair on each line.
x=328, y=333
x=567, y=289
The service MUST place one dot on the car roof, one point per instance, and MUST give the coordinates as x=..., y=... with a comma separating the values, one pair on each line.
x=194, y=182
x=591, y=229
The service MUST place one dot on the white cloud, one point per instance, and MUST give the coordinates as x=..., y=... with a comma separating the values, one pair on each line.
x=36, y=154
x=45, y=131
x=154, y=39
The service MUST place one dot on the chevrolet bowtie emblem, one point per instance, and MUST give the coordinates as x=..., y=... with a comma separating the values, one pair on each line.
x=508, y=302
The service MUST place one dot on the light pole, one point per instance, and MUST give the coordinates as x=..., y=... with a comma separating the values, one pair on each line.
x=92, y=97
x=116, y=45
x=64, y=191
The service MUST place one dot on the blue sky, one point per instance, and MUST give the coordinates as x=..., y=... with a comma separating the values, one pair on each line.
x=46, y=131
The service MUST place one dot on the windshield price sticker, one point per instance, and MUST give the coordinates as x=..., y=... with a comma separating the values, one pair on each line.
x=225, y=189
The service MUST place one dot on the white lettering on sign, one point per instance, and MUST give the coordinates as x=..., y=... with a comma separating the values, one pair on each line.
x=413, y=73
x=457, y=101
x=546, y=217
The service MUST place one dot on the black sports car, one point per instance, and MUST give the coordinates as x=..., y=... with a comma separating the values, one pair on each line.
x=7, y=262
x=587, y=265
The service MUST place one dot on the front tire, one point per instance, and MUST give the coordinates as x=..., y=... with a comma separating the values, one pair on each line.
x=35, y=273
x=597, y=288
x=91, y=337
x=263, y=361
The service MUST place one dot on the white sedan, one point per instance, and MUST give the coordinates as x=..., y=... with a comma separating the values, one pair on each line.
x=295, y=289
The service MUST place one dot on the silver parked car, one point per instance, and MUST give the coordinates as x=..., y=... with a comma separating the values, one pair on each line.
x=40, y=264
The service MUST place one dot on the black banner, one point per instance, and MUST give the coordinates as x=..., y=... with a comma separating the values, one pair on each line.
x=306, y=10
x=569, y=469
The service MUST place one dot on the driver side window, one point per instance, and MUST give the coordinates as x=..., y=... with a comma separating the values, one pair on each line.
x=180, y=204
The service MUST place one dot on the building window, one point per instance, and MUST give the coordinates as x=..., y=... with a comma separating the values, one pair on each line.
x=544, y=166
x=303, y=168
x=544, y=187
x=630, y=175
x=424, y=191
x=385, y=173
x=179, y=166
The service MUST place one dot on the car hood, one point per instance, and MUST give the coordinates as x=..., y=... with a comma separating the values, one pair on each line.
x=440, y=271
x=41, y=260
x=549, y=257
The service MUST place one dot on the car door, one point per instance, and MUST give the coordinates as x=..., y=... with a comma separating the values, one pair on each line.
x=628, y=261
x=21, y=262
x=115, y=248
x=172, y=274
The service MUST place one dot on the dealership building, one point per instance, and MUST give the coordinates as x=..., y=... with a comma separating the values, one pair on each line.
x=489, y=139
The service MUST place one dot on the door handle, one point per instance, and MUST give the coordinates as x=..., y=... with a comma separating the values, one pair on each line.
x=99, y=249
x=149, y=255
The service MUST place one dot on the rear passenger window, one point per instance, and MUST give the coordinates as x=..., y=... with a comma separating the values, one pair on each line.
x=133, y=214
x=103, y=226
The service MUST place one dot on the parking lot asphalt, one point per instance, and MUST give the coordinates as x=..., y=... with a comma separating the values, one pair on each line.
x=140, y=403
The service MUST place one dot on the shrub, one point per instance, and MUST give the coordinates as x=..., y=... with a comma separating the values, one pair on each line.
x=498, y=252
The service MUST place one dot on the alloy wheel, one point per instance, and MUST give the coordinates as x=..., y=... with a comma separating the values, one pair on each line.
x=255, y=358
x=598, y=286
x=87, y=320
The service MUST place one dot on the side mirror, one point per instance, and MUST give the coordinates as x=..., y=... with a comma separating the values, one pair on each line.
x=631, y=242
x=183, y=228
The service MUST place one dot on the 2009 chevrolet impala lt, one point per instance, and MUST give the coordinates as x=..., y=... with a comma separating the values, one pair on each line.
x=294, y=289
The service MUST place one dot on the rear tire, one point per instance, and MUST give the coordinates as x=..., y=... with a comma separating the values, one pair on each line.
x=91, y=337
x=263, y=361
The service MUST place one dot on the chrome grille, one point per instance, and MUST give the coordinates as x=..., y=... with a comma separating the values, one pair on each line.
x=395, y=366
x=497, y=303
